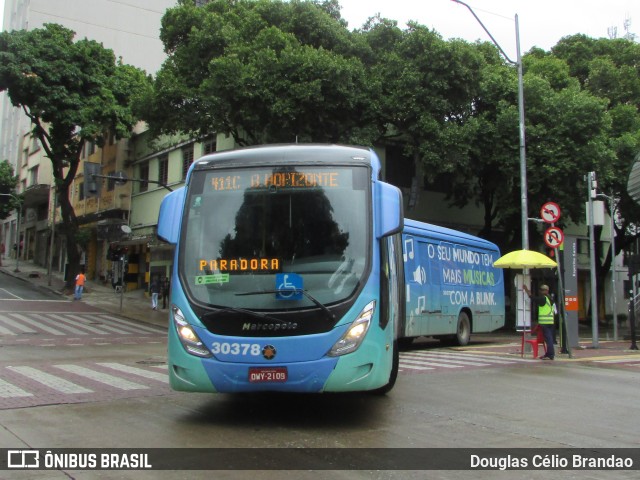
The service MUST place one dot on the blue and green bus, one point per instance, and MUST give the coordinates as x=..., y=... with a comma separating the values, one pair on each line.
x=289, y=273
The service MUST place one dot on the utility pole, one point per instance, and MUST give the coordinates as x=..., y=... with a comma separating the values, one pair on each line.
x=523, y=151
x=592, y=186
x=613, y=266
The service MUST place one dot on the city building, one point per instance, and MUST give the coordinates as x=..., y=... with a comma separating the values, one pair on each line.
x=131, y=30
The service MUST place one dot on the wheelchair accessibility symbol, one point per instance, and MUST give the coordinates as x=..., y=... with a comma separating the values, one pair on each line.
x=289, y=286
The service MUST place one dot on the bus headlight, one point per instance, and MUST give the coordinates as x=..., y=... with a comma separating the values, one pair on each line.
x=354, y=336
x=187, y=335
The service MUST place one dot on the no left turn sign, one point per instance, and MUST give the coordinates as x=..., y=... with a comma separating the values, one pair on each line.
x=550, y=212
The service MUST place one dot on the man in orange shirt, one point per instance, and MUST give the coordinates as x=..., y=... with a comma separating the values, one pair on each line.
x=80, y=279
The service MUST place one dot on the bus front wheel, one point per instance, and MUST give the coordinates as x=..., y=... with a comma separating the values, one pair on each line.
x=393, y=376
x=463, y=333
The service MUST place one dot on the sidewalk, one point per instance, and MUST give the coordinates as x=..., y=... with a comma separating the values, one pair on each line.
x=135, y=305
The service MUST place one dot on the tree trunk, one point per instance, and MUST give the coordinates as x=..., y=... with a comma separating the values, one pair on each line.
x=70, y=223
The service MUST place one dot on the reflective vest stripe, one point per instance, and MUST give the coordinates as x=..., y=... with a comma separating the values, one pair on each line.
x=545, y=312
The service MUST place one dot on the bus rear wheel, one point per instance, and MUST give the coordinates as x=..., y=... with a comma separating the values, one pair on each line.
x=463, y=333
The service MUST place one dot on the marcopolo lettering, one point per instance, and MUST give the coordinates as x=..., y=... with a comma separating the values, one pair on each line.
x=274, y=326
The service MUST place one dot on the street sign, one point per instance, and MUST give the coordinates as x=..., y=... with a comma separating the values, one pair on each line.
x=553, y=237
x=550, y=212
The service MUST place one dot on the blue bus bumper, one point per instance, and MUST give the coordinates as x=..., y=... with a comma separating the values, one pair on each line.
x=353, y=372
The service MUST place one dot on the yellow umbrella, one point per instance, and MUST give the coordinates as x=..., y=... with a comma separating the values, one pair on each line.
x=524, y=259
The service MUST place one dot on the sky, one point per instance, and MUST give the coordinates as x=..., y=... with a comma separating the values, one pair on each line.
x=542, y=22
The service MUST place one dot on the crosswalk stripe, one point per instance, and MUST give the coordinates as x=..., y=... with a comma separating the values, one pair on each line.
x=38, y=324
x=15, y=325
x=474, y=357
x=406, y=361
x=109, y=328
x=5, y=331
x=619, y=360
x=136, y=371
x=138, y=327
x=63, y=324
x=437, y=358
x=52, y=381
x=77, y=325
x=8, y=390
x=101, y=377
x=494, y=358
x=414, y=367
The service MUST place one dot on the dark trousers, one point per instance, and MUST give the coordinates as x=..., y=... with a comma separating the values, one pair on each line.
x=548, y=332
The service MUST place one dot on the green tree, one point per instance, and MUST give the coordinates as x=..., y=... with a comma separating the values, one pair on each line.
x=73, y=92
x=261, y=71
x=8, y=183
x=610, y=69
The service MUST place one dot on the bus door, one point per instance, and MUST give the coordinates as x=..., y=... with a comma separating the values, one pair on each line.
x=431, y=288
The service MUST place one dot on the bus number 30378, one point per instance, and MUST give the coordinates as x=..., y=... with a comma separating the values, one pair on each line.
x=225, y=348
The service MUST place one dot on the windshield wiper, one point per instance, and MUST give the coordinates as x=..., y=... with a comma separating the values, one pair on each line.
x=245, y=311
x=296, y=291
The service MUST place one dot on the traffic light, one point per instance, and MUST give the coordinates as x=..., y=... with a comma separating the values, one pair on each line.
x=118, y=253
x=593, y=185
x=92, y=183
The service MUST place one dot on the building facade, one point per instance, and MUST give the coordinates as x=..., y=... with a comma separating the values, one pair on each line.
x=130, y=29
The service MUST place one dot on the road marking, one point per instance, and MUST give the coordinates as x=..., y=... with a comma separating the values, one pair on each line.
x=38, y=324
x=8, y=390
x=78, y=324
x=137, y=371
x=439, y=358
x=484, y=358
x=12, y=294
x=101, y=377
x=627, y=359
x=15, y=325
x=48, y=380
x=129, y=324
x=409, y=363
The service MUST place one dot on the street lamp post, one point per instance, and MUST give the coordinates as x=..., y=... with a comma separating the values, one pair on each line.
x=523, y=158
x=17, y=229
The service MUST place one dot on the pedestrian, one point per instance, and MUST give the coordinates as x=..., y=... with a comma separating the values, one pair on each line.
x=80, y=279
x=545, y=318
x=166, y=286
x=154, y=289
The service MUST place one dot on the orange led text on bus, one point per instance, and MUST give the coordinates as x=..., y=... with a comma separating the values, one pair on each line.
x=240, y=265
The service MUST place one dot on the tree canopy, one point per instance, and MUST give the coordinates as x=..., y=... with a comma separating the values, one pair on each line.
x=272, y=71
x=72, y=92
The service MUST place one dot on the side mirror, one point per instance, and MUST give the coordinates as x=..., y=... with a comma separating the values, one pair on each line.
x=170, y=216
x=389, y=215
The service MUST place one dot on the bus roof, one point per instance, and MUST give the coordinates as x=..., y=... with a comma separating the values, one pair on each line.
x=287, y=153
x=413, y=227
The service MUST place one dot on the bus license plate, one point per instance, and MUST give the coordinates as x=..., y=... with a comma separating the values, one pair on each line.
x=267, y=374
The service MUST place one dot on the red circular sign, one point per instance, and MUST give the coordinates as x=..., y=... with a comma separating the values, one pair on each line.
x=553, y=237
x=550, y=212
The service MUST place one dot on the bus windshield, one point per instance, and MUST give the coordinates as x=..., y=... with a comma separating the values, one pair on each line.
x=276, y=238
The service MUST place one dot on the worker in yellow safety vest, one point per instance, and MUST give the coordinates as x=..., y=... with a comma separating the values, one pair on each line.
x=545, y=318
